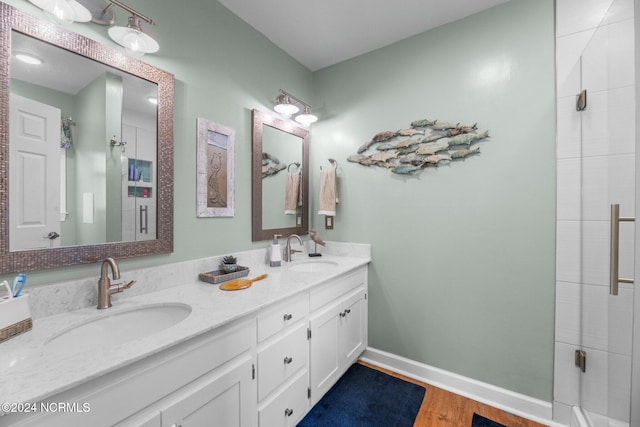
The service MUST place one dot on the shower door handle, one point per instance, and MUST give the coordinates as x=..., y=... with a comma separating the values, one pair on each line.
x=614, y=280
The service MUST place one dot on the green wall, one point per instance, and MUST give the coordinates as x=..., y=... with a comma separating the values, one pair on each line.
x=463, y=255
x=463, y=271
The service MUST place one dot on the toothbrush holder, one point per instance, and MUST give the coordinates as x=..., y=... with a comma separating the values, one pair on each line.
x=15, y=316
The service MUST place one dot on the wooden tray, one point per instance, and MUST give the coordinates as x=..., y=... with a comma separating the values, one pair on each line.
x=217, y=276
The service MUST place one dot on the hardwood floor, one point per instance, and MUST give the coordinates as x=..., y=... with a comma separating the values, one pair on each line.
x=441, y=408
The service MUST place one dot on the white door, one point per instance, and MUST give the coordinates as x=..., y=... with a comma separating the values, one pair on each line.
x=34, y=175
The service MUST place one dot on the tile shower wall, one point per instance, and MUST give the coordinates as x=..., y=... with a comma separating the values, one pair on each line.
x=596, y=159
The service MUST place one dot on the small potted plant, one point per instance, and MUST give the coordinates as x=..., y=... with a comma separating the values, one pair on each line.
x=229, y=264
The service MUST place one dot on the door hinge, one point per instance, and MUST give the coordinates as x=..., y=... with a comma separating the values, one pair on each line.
x=308, y=392
x=581, y=100
x=581, y=360
x=308, y=333
x=365, y=296
x=253, y=371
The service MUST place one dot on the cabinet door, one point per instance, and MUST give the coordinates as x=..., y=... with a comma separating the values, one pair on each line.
x=226, y=399
x=353, y=328
x=325, y=351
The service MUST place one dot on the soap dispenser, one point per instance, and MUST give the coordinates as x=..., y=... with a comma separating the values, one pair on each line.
x=276, y=254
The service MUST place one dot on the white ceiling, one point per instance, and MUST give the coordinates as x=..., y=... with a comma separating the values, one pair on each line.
x=322, y=33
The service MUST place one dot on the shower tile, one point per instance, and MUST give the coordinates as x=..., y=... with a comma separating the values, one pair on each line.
x=578, y=15
x=606, y=386
x=568, y=251
x=607, y=319
x=609, y=122
x=607, y=180
x=619, y=11
x=568, y=128
x=568, y=303
x=568, y=51
x=619, y=388
x=568, y=189
x=621, y=320
x=608, y=60
x=595, y=382
x=566, y=384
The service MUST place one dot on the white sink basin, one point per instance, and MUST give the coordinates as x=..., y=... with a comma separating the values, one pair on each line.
x=118, y=327
x=313, y=266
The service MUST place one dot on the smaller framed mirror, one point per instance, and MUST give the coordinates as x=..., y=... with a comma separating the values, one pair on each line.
x=280, y=177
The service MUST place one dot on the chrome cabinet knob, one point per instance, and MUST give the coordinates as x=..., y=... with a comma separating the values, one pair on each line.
x=288, y=317
x=288, y=360
x=288, y=412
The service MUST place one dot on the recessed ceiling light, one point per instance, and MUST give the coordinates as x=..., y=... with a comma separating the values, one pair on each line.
x=27, y=58
x=153, y=100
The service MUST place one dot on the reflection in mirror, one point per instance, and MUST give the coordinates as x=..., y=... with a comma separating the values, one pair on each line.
x=76, y=186
x=86, y=161
x=286, y=148
x=280, y=156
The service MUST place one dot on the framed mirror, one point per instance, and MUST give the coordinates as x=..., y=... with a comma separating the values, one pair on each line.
x=86, y=161
x=280, y=177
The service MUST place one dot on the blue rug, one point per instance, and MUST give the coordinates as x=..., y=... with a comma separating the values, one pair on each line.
x=365, y=397
x=480, y=421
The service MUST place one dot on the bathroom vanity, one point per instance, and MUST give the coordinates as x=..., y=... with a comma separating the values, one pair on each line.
x=257, y=357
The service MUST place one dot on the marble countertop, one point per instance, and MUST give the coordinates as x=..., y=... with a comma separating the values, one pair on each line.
x=30, y=374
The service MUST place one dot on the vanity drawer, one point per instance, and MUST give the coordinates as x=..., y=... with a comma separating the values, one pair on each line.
x=288, y=407
x=324, y=294
x=285, y=314
x=281, y=359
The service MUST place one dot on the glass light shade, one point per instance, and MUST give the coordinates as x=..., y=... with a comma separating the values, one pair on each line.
x=306, y=118
x=133, y=39
x=284, y=106
x=64, y=11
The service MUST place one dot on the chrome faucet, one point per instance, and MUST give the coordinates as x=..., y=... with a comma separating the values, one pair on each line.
x=105, y=288
x=287, y=249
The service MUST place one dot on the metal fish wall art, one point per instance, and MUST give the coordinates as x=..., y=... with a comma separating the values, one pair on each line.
x=407, y=154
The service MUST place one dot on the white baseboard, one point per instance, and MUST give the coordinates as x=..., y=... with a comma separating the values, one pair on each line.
x=509, y=401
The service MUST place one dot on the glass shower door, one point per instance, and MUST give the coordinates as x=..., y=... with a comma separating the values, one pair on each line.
x=607, y=174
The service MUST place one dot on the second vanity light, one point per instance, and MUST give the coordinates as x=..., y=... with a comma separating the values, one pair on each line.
x=288, y=105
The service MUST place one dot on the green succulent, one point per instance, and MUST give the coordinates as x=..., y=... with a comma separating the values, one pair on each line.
x=229, y=259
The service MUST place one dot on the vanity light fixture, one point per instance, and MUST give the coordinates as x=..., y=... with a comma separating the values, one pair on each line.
x=133, y=38
x=64, y=11
x=288, y=105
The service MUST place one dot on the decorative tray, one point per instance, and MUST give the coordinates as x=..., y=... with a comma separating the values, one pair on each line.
x=217, y=276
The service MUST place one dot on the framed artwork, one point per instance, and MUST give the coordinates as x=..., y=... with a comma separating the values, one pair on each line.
x=215, y=176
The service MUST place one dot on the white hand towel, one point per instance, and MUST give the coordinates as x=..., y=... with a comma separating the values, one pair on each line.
x=292, y=194
x=328, y=192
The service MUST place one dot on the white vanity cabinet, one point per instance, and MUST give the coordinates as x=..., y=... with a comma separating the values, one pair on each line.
x=266, y=368
x=283, y=362
x=208, y=377
x=338, y=329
